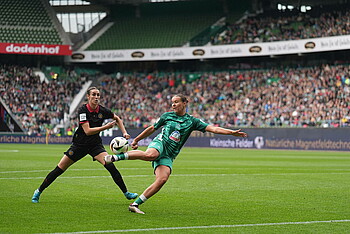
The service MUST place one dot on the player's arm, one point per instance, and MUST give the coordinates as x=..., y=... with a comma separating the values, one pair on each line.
x=225, y=131
x=121, y=126
x=145, y=133
x=92, y=131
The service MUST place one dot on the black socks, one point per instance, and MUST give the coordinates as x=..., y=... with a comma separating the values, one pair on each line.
x=117, y=177
x=50, y=178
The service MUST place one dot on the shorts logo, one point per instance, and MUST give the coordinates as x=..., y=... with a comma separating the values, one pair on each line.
x=175, y=136
x=70, y=152
x=82, y=117
x=100, y=116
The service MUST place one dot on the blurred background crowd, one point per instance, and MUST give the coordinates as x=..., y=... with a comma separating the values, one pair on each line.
x=291, y=97
x=293, y=25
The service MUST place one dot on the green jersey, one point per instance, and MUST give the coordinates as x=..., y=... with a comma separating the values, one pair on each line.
x=176, y=130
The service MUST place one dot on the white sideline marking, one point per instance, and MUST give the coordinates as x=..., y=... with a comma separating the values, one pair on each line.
x=10, y=151
x=207, y=227
x=177, y=175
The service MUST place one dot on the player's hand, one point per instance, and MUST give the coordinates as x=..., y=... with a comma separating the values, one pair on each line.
x=134, y=145
x=239, y=133
x=111, y=124
x=126, y=135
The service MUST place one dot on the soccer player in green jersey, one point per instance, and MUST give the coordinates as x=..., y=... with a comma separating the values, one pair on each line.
x=177, y=127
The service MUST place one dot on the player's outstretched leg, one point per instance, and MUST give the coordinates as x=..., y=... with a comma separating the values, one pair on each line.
x=130, y=196
x=36, y=196
x=109, y=159
x=135, y=209
x=112, y=158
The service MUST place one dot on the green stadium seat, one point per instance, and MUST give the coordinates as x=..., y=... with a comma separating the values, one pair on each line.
x=160, y=25
x=26, y=23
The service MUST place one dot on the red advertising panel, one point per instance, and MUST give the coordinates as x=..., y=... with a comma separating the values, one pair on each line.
x=39, y=49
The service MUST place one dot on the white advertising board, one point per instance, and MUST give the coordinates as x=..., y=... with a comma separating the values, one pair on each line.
x=222, y=51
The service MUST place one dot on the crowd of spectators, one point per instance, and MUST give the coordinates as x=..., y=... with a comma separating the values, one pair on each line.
x=37, y=104
x=286, y=97
x=284, y=26
x=290, y=97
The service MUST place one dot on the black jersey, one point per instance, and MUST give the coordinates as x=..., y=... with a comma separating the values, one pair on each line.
x=95, y=119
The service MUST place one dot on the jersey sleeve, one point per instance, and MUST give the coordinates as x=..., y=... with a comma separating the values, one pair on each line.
x=109, y=114
x=82, y=115
x=199, y=124
x=160, y=122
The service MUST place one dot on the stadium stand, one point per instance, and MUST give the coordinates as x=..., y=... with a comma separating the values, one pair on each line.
x=159, y=25
x=315, y=96
x=37, y=105
x=293, y=97
x=27, y=23
x=275, y=25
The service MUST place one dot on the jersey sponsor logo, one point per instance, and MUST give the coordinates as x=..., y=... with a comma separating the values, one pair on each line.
x=175, y=136
x=82, y=117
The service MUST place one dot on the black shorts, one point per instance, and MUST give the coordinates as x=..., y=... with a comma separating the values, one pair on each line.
x=76, y=152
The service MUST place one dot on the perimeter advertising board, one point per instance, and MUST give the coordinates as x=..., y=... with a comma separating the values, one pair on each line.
x=260, y=138
x=36, y=49
x=268, y=138
x=219, y=51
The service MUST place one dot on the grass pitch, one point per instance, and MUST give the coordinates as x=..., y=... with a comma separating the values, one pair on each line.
x=210, y=191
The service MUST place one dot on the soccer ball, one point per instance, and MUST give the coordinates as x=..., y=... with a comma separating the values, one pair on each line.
x=119, y=145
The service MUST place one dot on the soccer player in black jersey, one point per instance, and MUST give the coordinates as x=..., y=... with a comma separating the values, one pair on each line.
x=86, y=140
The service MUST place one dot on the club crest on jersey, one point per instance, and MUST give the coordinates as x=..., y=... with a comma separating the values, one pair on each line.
x=100, y=116
x=175, y=136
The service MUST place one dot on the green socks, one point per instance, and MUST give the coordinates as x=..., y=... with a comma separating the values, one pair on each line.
x=141, y=199
x=122, y=156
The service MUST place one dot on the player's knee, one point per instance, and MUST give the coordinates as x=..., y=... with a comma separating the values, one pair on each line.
x=162, y=180
x=150, y=156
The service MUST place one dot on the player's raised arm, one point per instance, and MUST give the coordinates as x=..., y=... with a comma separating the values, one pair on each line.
x=145, y=133
x=120, y=125
x=225, y=131
x=92, y=131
